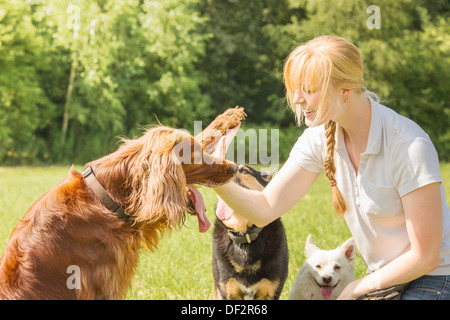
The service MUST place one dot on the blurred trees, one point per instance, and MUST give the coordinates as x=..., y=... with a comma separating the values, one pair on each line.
x=75, y=74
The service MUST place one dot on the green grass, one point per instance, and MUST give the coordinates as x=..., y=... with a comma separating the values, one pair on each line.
x=181, y=266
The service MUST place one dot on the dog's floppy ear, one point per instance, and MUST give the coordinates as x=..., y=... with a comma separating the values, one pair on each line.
x=157, y=181
x=348, y=248
x=310, y=247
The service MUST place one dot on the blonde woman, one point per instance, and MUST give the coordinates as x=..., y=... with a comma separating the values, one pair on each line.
x=383, y=171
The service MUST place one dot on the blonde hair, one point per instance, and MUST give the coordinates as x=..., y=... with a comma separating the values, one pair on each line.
x=326, y=63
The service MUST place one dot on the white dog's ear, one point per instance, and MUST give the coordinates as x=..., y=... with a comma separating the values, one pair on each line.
x=348, y=248
x=310, y=247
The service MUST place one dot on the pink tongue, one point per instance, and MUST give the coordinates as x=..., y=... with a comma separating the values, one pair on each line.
x=326, y=292
x=199, y=205
x=223, y=211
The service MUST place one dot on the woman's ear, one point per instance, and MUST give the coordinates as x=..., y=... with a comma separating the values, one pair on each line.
x=346, y=94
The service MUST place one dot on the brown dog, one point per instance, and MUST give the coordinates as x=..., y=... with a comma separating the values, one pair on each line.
x=95, y=223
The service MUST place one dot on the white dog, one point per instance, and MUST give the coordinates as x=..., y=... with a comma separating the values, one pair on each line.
x=325, y=273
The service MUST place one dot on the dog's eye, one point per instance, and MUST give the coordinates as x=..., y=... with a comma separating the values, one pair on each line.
x=243, y=171
x=318, y=266
x=337, y=267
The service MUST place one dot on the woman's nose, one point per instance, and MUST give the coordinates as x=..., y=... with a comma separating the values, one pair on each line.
x=298, y=97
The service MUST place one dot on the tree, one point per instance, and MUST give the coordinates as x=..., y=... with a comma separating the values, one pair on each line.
x=242, y=62
x=22, y=100
x=76, y=74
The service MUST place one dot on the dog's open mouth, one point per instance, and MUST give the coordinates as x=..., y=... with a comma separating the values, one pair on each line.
x=197, y=206
x=326, y=290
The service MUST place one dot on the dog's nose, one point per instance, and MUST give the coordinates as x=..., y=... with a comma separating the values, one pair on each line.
x=326, y=279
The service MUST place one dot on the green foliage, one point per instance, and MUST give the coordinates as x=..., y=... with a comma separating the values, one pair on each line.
x=153, y=64
x=76, y=74
x=24, y=106
x=242, y=62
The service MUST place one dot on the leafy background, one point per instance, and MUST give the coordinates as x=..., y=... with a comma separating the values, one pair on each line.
x=76, y=74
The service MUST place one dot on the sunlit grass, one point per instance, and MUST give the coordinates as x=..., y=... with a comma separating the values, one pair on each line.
x=181, y=266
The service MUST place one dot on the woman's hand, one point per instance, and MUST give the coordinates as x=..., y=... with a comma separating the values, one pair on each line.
x=351, y=291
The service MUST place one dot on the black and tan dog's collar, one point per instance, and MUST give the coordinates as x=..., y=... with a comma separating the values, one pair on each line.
x=248, y=237
x=97, y=188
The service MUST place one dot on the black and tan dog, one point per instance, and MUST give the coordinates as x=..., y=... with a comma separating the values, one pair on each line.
x=249, y=263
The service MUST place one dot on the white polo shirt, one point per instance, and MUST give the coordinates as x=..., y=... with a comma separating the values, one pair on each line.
x=399, y=158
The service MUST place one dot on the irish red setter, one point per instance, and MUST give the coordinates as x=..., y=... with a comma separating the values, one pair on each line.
x=70, y=229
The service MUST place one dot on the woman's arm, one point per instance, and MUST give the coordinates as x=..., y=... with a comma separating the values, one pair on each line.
x=423, y=212
x=262, y=207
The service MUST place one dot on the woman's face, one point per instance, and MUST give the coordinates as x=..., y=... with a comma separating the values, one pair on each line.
x=308, y=102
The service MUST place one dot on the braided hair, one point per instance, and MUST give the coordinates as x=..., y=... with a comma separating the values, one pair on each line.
x=340, y=206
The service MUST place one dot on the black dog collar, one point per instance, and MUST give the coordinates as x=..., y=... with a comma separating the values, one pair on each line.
x=247, y=237
x=97, y=188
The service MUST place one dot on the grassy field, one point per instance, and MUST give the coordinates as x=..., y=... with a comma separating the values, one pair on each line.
x=181, y=267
